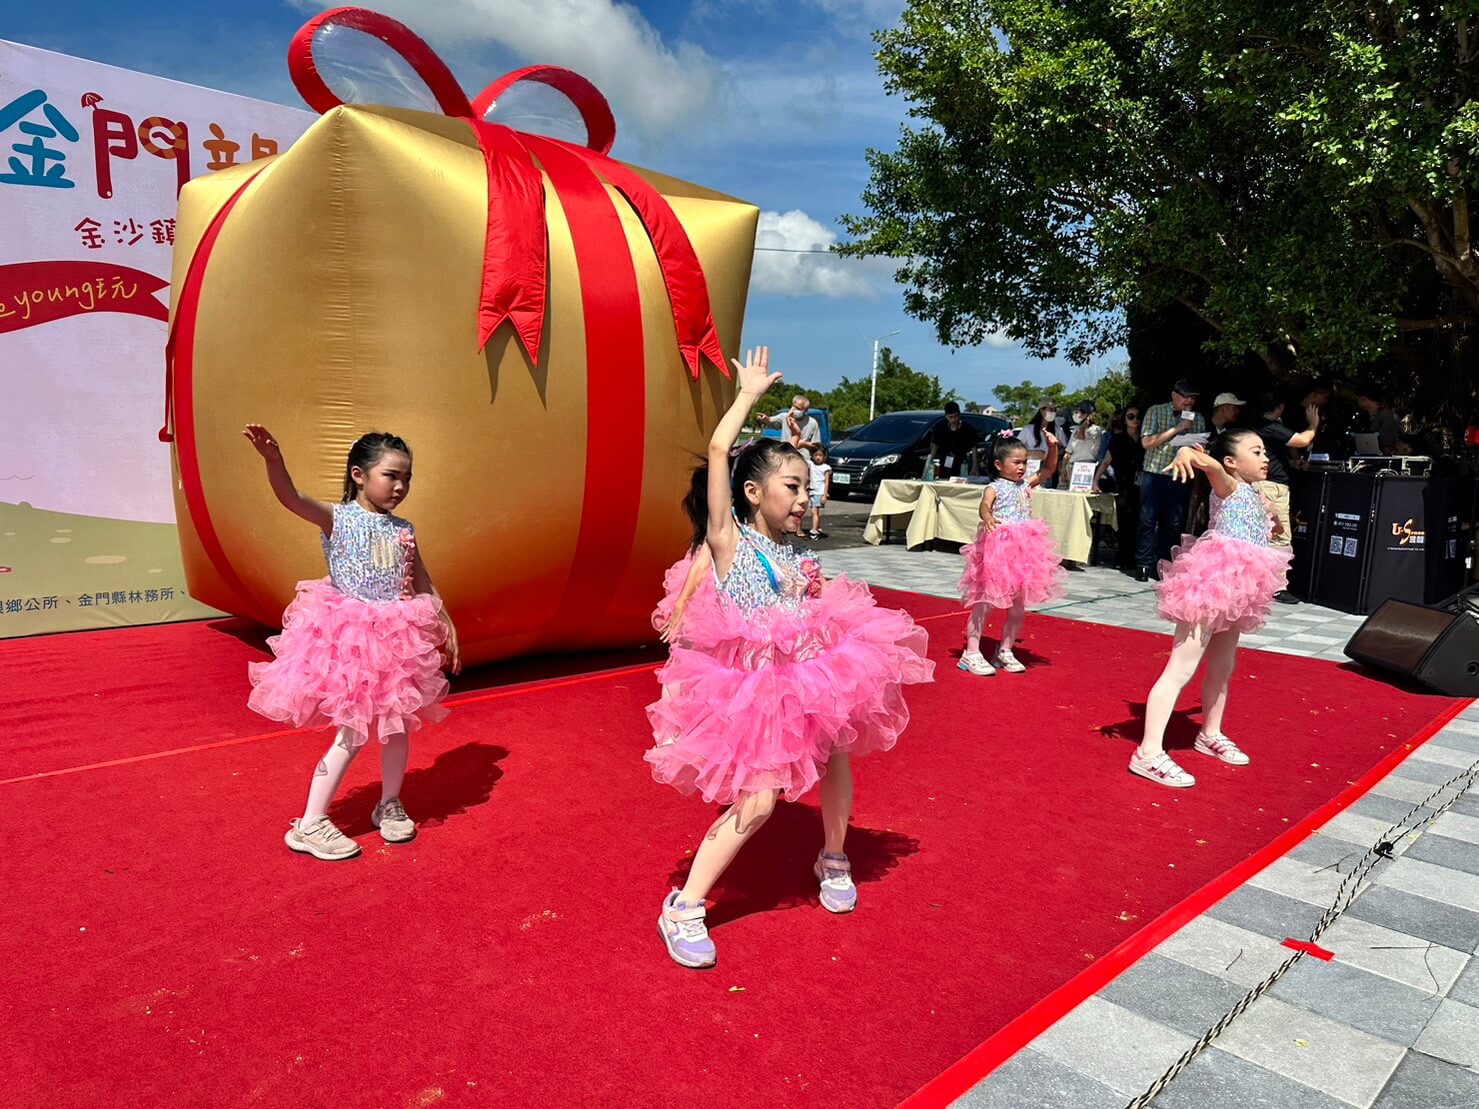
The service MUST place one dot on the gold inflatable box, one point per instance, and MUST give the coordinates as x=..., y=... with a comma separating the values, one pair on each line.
x=384, y=275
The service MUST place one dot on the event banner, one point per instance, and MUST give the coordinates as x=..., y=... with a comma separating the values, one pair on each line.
x=92, y=159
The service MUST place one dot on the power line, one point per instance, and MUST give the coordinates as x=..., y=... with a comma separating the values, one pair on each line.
x=795, y=250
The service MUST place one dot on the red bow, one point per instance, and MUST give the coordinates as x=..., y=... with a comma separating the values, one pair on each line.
x=515, y=256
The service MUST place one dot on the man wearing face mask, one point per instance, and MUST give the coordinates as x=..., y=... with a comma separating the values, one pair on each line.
x=1163, y=502
x=802, y=429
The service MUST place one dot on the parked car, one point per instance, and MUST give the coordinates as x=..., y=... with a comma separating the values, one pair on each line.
x=893, y=446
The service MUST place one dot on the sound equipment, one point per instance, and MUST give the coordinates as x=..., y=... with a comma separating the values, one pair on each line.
x=1364, y=538
x=1437, y=645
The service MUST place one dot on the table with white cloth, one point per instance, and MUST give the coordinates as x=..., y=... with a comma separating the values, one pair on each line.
x=951, y=511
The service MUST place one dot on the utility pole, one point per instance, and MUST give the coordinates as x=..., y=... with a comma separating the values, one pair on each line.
x=873, y=394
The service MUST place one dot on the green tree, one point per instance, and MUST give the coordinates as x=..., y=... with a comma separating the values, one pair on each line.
x=1299, y=177
x=1021, y=402
x=1112, y=390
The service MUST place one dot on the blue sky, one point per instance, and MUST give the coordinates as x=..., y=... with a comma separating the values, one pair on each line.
x=773, y=101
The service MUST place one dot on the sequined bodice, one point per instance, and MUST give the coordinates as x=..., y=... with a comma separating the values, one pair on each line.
x=765, y=574
x=370, y=554
x=1013, y=501
x=1241, y=516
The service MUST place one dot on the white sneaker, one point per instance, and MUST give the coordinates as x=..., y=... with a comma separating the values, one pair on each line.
x=834, y=873
x=1007, y=661
x=1162, y=770
x=395, y=826
x=1220, y=747
x=974, y=662
x=321, y=840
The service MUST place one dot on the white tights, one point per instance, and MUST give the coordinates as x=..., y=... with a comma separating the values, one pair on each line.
x=742, y=819
x=1191, y=643
x=329, y=774
x=1011, y=627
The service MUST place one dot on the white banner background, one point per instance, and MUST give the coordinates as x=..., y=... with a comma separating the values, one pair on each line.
x=91, y=159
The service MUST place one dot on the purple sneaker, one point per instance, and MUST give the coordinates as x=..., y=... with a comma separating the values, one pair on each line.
x=834, y=873
x=681, y=926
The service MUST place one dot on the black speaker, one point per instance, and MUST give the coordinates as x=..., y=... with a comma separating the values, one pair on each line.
x=1437, y=646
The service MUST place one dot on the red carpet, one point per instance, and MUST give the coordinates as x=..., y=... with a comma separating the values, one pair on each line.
x=163, y=944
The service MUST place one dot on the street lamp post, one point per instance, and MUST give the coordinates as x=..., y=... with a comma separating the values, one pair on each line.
x=873, y=393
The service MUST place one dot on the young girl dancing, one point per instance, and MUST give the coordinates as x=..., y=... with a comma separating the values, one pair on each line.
x=361, y=647
x=1012, y=562
x=1214, y=588
x=776, y=678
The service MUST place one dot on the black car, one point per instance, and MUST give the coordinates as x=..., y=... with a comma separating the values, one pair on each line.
x=893, y=446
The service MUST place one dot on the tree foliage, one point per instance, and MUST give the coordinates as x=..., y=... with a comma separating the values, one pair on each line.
x=900, y=388
x=1297, y=176
x=1111, y=392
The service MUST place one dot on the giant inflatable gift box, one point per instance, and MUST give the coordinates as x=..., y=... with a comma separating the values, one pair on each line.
x=545, y=326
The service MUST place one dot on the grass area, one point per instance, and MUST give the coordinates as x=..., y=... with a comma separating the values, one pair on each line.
x=60, y=572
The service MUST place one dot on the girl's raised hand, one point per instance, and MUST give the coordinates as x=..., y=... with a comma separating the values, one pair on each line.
x=754, y=375
x=1182, y=468
x=259, y=437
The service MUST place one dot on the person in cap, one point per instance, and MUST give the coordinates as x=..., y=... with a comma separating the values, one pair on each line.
x=1083, y=441
x=1225, y=411
x=1163, y=502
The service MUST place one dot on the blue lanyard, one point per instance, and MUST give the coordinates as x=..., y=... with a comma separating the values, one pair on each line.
x=765, y=564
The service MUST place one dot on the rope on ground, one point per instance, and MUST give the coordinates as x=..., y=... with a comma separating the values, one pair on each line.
x=1349, y=888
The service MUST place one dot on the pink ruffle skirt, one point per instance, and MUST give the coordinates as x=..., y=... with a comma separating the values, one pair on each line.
x=353, y=663
x=672, y=585
x=762, y=701
x=1015, y=562
x=1221, y=583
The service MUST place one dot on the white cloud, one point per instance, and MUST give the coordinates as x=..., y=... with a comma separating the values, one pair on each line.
x=653, y=86
x=871, y=13
x=1000, y=340
x=786, y=270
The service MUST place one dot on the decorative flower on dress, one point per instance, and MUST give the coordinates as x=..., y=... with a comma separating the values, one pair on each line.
x=407, y=543
x=811, y=569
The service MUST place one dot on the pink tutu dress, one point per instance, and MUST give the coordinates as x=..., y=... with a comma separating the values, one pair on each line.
x=1014, y=562
x=1227, y=578
x=776, y=672
x=672, y=585
x=358, y=648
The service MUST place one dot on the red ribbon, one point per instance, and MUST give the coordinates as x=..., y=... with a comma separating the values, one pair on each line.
x=33, y=293
x=515, y=255
x=515, y=264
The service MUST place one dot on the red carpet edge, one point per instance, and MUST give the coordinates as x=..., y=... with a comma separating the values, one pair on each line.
x=961, y=1076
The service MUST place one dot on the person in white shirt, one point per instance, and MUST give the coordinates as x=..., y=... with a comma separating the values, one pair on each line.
x=1043, y=426
x=803, y=430
x=1083, y=443
x=820, y=489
